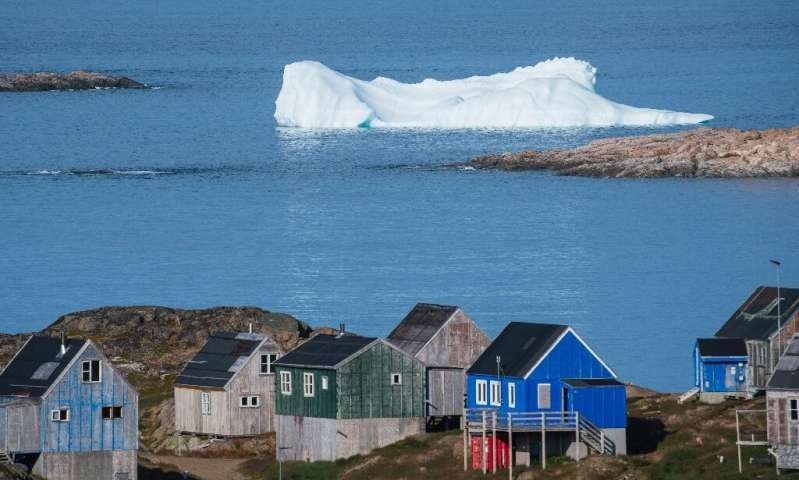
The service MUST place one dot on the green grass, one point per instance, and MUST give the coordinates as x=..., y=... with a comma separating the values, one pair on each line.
x=263, y=469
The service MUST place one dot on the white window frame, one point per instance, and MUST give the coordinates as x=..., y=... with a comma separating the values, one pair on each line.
x=496, y=393
x=84, y=370
x=55, y=415
x=307, y=384
x=793, y=406
x=249, y=401
x=324, y=382
x=112, y=407
x=271, y=358
x=511, y=394
x=539, y=396
x=396, y=379
x=285, y=382
x=481, y=392
x=205, y=403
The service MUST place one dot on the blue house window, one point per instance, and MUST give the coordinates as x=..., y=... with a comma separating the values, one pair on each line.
x=480, y=392
x=60, y=415
x=90, y=371
x=112, y=413
x=544, y=396
x=512, y=395
x=496, y=393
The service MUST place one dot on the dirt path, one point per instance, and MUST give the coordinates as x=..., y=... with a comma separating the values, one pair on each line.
x=207, y=468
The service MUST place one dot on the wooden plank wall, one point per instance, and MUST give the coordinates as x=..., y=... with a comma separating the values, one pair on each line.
x=445, y=391
x=458, y=344
x=321, y=405
x=781, y=429
x=20, y=428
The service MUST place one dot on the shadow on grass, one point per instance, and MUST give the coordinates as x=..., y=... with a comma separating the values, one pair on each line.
x=644, y=435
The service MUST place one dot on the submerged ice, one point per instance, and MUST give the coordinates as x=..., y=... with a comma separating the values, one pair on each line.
x=554, y=93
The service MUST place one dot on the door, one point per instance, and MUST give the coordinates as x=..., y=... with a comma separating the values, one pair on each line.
x=565, y=405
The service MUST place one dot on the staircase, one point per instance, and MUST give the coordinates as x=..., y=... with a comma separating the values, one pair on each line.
x=595, y=438
x=4, y=458
x=687, y=395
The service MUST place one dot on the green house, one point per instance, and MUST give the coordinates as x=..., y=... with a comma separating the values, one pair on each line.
x=344, y=395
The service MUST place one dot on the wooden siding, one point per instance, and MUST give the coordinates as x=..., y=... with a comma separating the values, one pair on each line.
x=365, y=390
x=86, y=430
x=19, y=427
x=445, y=391
x=321, y=405
x=457, y=344
x=112, y=465
x=227, y=417
x=781, y=429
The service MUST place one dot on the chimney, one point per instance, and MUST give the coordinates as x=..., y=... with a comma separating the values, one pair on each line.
x=340, y=330
x=63, y=344
x=250, y=327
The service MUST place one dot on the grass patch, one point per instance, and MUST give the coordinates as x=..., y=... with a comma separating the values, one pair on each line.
x=268, y=469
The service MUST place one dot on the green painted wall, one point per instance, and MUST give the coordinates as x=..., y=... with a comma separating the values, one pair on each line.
x=365, y=390
x=322, y=404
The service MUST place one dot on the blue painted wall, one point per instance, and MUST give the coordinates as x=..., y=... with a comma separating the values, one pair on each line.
x=86, y=430
x=604, y=406
x=720, y=374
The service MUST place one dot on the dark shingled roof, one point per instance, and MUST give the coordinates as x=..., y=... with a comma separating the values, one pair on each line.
x=722, y=347
x=419, y=326
x=786, y=376
x=37, y=365
x=219, y=360
x=519, y=346
x=592, y=382
x=756, y=319
x=325, y=351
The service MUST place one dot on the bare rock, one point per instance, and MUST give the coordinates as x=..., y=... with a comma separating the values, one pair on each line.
x=78, y=80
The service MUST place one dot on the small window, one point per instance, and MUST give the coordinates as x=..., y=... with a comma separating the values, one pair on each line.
x=244, y=401
x=480, y=392
x=512, y=395
x=307, y=384
x=255, y=401
x=496, y=393
x=544, y=400
x=285, y=383
x=60, y=415
x=205, y=403
x=732, y=370
x=90, y=371
x=250, y=401
x=111, y=413
x=794, y=410
x=324, y=382
x=267, y=360
x=396, y=379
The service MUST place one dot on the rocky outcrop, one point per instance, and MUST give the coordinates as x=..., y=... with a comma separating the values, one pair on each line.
x=78, y=80
x=704, y=152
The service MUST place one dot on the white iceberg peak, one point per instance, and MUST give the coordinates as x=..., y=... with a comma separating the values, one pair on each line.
x=553, y=93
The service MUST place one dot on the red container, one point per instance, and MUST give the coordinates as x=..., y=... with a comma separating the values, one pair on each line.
x=503, y=453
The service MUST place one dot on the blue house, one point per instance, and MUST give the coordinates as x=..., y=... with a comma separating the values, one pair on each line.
x=67, y=412
x=721, y=368
x=546, y=376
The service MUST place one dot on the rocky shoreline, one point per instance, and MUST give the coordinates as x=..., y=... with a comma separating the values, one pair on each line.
x=78, y=80
x=703, y=152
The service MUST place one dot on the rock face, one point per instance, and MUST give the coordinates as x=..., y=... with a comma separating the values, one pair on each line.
x=704, y=152
x=79, y=80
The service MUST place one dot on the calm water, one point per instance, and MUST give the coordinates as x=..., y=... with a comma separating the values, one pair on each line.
x=357, y=226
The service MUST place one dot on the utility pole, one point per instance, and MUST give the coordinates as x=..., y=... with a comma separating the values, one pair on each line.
x=778, y=264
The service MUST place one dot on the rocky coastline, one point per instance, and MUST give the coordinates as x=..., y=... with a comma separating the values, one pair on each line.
x=78, y=80
x=703, y=152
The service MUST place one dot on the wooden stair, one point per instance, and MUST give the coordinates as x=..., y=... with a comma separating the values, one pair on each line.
x=4, y=458
x=687, y=395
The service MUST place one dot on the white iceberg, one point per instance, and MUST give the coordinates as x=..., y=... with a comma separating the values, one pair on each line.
x=554, y=93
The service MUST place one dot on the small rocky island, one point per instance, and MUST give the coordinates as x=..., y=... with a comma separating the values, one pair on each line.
x=78, y=80
x=703, y=152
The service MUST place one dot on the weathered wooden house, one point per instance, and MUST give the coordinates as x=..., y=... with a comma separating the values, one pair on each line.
x=721, y=369
x=545, y=382
x=447, y=341
x=67, y=412
x=344, y=395
x=756, y=322
x=782, y=409
x=228, y=388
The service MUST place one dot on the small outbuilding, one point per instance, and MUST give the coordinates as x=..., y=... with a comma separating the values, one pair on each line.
x=782, y=409
x=228, y=388
x=721, y=369
x=344, y=395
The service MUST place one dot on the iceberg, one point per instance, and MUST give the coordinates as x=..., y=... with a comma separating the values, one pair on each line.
x=553, y=93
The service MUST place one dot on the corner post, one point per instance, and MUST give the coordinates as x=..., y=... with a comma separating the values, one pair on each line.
x=465, y=441
x=510, y=447
x=494, y=441
x=543, y=441
x=738, y=441
x=484, y=447
x=577, y=434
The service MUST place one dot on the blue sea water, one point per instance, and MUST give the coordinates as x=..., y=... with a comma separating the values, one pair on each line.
x=189, y=195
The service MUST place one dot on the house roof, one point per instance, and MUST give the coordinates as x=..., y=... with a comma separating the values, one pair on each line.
x=325, y=351
x=223, y=354
x=419, y=326
x=756, y=319
x=722, y=347
x=786, y=376
x=520, y=346
x=591, y=382
x=37, y=365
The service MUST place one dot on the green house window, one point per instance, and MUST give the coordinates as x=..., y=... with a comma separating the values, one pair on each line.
x=308, y=384
x=285, y=383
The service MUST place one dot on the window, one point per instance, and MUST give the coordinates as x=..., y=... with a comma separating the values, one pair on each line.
x=307, y=384
x=250, y=401
x=324, y=382
x=90, y=371
x=544, y=400
x=480, y=392
x=111, y=413
x=512, y=395
x=732, y=369
x=285, y=383
x=60, y=415
x=496, y=393
x=794, y=410
x=267, y=360
x=396, y=379
x=205, y=403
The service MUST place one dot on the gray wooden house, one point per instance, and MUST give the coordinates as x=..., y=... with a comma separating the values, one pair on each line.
x=344, y=395
x=447, y=341
x=756, y=322
x=782, y=408
x=67, y=412
x=228, y=388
